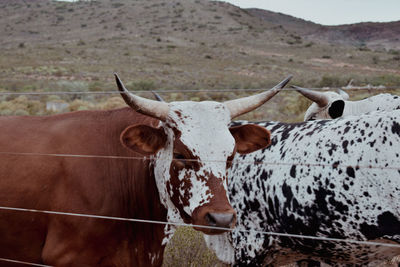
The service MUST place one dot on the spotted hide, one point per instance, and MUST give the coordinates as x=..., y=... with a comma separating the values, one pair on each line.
x=326, y=178
x=332, y=105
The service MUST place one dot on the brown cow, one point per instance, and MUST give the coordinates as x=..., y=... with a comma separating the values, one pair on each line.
x=164, y=186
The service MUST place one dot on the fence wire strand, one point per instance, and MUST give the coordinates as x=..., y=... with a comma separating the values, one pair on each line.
x=24, y=262
x=195, y=91
x=369, y=243
x=307, y=164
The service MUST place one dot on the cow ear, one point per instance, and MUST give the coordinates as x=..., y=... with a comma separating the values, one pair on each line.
x=250, y=138
x=336, y=109
x=143, y=139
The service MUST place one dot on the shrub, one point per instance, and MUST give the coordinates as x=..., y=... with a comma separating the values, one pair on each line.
x=35, y=107
x=387, y=80
x=78, y=104
x=21, y=106
x=21, y=112
x=309, y=44
x=330, y=81
x=364, y=48
x=141, y=85
x=95, y=86
x=187, y=248
x=79, y=86
x=112, y=103
x=6, y=112
x=117, y=5
x=375, y=59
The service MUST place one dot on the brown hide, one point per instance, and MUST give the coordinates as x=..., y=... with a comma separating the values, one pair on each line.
x=100, y=186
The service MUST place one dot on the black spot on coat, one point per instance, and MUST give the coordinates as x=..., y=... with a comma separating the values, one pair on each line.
x=293, y=171
x=350, y=172
x=396, y=128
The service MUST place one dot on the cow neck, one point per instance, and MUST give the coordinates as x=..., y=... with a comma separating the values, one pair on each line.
x=382, y=102
x=165, y=155
x=137, y=191
x=353, y=108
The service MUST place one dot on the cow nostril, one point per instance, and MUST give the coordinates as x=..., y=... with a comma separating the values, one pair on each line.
x=210, y=220
x=219, y=219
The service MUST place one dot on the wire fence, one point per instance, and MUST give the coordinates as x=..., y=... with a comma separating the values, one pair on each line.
x=24, y=262
x=247, y=162
x=369, y=243
x=319, y=238
x=360, y=88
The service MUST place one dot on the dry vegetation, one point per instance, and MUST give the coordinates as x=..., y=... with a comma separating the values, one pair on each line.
x=172, y=45
x=49, y=46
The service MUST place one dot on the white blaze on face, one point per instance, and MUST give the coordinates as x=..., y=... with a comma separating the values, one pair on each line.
x=204, y=131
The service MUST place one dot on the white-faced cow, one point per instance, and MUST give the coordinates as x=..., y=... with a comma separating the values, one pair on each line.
x=162, y=186
x=325, y=178
x=332, y=105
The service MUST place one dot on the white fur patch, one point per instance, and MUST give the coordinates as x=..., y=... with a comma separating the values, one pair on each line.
x=204, y=131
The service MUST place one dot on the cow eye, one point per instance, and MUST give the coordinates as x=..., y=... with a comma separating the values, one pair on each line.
x=178, y=156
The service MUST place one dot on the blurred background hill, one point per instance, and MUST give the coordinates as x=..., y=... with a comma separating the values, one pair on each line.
x=186, y=44
x=51, y=45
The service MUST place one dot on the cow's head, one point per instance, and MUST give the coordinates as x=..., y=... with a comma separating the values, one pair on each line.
x=327, y=105
x=191, y=149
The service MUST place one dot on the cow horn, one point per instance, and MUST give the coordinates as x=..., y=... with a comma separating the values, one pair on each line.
x=158, y=110
x=343, y=94
x=158, y=97
x=321, y=99
x=243, y=105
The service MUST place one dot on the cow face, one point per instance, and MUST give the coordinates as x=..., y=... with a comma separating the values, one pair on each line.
x=326, y=105
x=192, y=149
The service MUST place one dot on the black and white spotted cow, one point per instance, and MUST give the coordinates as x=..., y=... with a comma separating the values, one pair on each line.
x=332, y=105
x=325, y=178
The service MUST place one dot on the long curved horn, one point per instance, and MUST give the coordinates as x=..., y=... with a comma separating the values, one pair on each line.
x=321, y=99
x=158, y=97
x=158, y=110
x=243, y=105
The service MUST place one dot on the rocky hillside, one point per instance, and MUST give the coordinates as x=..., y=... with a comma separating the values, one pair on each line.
x=187, y=44
x=50, y=22
x=373, y=35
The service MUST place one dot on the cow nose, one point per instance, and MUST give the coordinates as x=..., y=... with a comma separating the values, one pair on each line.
x=220, y=219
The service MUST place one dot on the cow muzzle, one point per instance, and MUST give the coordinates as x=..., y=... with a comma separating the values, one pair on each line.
x=223, y=220
x=219, y=221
